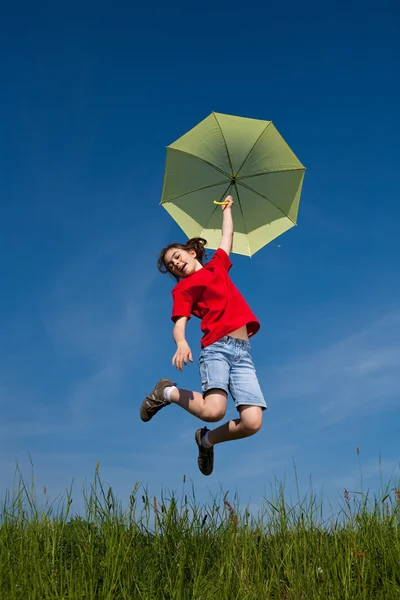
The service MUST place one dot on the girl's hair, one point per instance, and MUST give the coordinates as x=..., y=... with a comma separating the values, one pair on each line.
x=197, y=244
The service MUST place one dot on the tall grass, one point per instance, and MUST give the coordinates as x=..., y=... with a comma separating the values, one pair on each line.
x=170, y=549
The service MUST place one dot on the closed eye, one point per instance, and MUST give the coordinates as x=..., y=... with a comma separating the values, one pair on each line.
x=170, y=264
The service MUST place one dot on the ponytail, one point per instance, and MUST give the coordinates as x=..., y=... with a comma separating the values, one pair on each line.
x=198, y=245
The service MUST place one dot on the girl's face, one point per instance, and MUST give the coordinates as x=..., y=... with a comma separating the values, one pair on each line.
x=181, y=263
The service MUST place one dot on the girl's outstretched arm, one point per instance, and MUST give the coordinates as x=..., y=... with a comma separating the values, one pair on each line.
x=227, y=226
x=183, y=352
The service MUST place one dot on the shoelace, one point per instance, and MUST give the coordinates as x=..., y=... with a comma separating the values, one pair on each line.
x=157, y=404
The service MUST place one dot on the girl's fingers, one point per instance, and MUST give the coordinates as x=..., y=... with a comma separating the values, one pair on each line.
x=179, y=360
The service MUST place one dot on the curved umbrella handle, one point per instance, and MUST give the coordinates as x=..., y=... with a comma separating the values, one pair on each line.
x=220, y=203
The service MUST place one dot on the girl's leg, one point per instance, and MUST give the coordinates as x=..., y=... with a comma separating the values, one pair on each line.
x=249, y=423
x=210, y=408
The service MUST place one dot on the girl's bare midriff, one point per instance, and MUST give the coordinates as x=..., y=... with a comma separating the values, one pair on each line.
x=240, y=333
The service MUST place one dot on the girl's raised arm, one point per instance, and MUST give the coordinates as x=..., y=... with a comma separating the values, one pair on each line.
x=227, y=226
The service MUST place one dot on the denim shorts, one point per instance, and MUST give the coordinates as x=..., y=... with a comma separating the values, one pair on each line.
x=227, y=365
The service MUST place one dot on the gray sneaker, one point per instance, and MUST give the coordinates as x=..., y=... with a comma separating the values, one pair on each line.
x=205, y=459
x=155, y=401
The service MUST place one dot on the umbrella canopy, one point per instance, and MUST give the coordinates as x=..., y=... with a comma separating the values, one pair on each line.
x=246, y=158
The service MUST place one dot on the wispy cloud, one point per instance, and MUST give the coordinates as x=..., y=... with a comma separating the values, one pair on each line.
x=367, y=475
x=99, y=320
x=374, y=478
x=264, y=461
x=358, y=373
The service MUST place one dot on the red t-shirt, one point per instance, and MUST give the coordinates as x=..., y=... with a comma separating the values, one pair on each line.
x=210, y=295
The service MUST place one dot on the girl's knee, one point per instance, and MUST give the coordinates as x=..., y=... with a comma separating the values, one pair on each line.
x=213, y=414
x=252, y=428
x=251, y=421
x=214, y=406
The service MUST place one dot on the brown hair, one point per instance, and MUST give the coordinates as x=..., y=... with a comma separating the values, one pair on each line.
x=197, y=244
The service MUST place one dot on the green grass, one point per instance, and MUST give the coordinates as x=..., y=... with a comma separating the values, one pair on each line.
x=165, y=549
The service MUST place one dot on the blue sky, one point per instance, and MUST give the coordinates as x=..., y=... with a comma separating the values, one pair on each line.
x=91, y=95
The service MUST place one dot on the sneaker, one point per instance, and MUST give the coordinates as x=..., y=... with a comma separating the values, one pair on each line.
x=205, y=459
x=155, y=401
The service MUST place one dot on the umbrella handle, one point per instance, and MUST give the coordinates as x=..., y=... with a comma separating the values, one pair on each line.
x=221, y=203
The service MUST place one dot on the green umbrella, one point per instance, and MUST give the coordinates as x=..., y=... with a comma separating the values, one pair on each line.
x=246, y=158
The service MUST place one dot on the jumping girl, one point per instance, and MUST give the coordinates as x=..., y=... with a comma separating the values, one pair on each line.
x=225, y=363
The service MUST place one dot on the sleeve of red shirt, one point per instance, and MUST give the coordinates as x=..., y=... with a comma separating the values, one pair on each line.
x=222, y=257
x=182, y=304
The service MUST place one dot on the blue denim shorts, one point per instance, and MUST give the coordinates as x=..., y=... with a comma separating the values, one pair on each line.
x=227, y=365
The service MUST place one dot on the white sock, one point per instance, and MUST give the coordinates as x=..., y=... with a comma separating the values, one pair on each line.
x=167, y=392
x=205, y=441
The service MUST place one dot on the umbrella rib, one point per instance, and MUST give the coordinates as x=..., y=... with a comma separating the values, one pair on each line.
x=199, y=158
x=226, y=147
x=203, y=187
x=215, y=208
x=253, y=146
x=265, y=198
x=244, y=224
x=274, y=171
